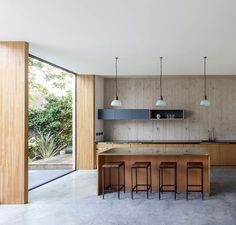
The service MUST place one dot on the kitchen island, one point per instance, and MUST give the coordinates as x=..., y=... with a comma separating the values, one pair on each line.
x=156, y=155
x=221, y=152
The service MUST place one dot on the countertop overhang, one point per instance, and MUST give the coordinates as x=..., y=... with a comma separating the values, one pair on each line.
x=166, y=142
x=156, y=151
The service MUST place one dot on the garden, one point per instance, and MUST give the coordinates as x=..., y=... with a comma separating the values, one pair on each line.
x=50, y=110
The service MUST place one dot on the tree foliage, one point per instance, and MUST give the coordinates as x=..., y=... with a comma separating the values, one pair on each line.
x=55, y=116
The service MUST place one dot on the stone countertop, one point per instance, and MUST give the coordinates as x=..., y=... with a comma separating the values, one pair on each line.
x=167, y=142
x=156, y=151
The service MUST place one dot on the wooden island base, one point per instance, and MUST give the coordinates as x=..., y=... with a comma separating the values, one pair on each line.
x=156, y=159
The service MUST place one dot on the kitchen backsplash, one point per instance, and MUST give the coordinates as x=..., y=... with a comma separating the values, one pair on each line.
x=180, y=93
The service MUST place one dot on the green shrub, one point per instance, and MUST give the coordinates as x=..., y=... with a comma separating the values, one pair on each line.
x=46, y=146
x=55, y=117
x=32, y=146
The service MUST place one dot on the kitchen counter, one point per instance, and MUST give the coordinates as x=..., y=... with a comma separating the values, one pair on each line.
x=156, y=151
x=167, y=142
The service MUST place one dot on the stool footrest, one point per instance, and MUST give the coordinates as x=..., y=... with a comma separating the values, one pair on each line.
x=114, y=185
x=142, y=185
x=167, y=185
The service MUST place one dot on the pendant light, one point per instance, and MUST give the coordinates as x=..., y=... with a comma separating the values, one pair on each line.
x=116, y=102
x=161, y=101
x=205, y=101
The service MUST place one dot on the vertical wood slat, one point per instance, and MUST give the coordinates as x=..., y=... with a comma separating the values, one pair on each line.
x=85, y=121
x=13, y=122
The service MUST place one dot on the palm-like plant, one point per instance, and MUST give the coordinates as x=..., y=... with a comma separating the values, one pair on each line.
x=46, y=146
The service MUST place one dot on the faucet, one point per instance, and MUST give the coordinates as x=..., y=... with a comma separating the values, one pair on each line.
x=211, y=135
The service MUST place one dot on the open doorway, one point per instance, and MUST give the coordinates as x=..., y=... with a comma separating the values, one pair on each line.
x=51, y=112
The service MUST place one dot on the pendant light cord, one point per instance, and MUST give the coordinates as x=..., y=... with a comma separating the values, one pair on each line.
x=205, y=77
x=116, y=76
x=161, y=77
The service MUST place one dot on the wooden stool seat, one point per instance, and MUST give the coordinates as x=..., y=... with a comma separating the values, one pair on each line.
x=141, y=164
x=168, y=165
x=112, y=164
x=194, y=165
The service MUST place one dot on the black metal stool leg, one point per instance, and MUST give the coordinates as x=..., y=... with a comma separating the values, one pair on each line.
x=147, y=182
x=202, y=176
x=162, y=179
x=124, y=176
x=103, y=181
x=175, y=169
x=159, y=183
x=187, y=183
x=136, y=178
x=118, y=183
x=132, y=194
x=150, y=178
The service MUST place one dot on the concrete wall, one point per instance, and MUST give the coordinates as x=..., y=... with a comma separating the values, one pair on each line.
x=180, y=93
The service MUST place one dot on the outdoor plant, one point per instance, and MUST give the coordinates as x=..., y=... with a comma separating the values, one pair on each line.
x=46, y=146
x=32, y=146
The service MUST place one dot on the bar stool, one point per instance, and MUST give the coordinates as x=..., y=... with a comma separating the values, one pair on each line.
x=148, y=185
x=194, y=165
x=162, y=167
x=110, y=166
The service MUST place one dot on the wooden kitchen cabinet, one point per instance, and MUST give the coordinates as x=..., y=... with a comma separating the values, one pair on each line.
x=227, y=154
x=214, y=153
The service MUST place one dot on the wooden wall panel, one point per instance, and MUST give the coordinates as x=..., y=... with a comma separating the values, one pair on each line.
x=13, y=122
x=85, y=124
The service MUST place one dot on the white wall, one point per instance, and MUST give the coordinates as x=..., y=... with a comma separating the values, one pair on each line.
x=180, y=93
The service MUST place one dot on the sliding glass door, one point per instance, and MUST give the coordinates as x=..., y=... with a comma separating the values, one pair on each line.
x=51, y=106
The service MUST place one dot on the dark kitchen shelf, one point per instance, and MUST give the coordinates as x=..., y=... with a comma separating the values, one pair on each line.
x=139, y=114
x=178, y=114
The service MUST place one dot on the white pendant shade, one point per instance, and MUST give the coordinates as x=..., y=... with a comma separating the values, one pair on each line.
x=161, y=102
x=205, y=102
x=116, y=103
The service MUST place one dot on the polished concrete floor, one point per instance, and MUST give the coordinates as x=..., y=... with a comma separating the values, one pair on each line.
x=37, y=177
x=72, y=200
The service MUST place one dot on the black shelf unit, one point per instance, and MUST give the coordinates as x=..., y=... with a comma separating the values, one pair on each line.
x=166, y=114
x=123, y=114
x=139, y=114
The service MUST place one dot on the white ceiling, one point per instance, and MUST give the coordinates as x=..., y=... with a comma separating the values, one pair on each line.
x=85, y=35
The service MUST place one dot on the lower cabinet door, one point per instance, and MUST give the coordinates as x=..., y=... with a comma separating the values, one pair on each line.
x=227, y=154
x=214, y=153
